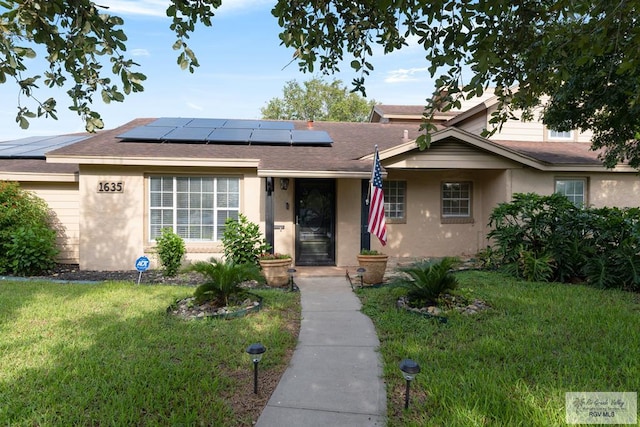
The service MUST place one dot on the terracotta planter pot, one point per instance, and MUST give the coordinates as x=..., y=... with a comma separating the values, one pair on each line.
x=275, y=271
x=375, y=266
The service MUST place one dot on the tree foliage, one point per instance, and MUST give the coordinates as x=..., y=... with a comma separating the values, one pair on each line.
x=84, y=47
x=316, y=99
x=583, y=54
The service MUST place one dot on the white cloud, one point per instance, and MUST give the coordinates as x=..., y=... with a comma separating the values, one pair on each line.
x=140, y=52
x=136, y=7
x=157, y=8
x=194, y=106
x=404, y=75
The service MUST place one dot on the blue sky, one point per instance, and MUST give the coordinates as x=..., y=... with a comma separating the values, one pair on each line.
x=241, y=69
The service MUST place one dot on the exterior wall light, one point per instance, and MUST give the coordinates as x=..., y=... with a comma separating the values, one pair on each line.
x=409, y=370
x=255, y=350
x=284, y=183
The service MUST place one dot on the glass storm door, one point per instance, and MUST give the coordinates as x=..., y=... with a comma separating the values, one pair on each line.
x=315, y=224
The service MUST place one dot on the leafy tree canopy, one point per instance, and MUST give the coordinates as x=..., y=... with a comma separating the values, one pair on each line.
x=584, y=54
x=84, y=49
x=316, y=99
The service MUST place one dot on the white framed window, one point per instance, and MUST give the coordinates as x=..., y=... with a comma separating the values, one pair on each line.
x=564, y=135
x=456, y=200
x=194, y=207
x=575, y=189
x=395, y=201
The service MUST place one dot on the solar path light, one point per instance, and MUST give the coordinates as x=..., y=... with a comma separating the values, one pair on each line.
x=291, y=271
x=409, y=370
x=360, y=272
x=255, y=350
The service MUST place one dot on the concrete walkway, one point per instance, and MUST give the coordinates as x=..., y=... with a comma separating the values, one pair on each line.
x=335, y=375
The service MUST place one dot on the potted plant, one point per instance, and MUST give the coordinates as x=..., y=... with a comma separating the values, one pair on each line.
x=274, y=268
x=375, y=265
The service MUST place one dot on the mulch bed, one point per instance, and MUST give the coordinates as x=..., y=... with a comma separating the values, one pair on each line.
x=72, y=272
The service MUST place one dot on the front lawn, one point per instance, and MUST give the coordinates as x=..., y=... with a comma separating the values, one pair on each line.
x=512, y=364
x=108, y=354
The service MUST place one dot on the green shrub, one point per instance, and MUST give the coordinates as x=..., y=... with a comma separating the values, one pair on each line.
x=223, y=279
x=242, y=240
x=370, y=252
x=170, y=249
x=548, y=238
x=532, y=267
x=27, y=236
x=32, y=250
x=425, y=281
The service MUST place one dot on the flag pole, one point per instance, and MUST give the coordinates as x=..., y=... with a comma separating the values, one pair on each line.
x=371, y=177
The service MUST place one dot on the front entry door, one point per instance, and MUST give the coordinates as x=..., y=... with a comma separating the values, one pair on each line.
x=315, y=222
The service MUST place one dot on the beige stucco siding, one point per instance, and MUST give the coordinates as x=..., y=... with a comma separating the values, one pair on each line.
x=111, y=222
x=425, y=234
x=115, y=224
x=63, y=200
x=604, y=189
x=348, y=221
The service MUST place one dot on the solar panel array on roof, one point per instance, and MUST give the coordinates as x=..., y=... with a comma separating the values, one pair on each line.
x=35, y=147
x=223, y=131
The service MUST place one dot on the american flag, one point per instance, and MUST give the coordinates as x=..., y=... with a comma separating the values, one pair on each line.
x=377, y=224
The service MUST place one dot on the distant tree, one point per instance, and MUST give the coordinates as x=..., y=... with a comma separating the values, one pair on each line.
x=318, y=100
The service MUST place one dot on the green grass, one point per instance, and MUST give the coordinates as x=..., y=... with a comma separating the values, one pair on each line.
x=510, y=365
x=108, y=354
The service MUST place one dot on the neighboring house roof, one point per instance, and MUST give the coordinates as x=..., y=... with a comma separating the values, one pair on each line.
x=382, y=113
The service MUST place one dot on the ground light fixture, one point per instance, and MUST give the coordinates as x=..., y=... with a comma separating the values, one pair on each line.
x=361, y=271
x=292, y=286
x=409, y=370
x=255, y=350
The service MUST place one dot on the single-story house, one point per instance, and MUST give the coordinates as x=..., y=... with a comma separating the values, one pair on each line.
x=304, y=183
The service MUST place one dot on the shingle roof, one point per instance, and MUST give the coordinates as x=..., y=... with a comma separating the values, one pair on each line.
x=351, y=142
x=557, y=153
x=39, y=166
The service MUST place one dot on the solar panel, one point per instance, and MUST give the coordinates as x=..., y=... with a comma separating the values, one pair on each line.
x=230, y=135
x=147, y=133
x=35, y=147
x=228, y=131
x=271, y=136
x=170, y=122
x=242, y=124
x=188, y=134
x=276, y=125
x=206, y=123
x=310, y=137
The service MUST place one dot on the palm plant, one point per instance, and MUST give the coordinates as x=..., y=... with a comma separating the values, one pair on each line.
x=425, y=281
x=223, y=279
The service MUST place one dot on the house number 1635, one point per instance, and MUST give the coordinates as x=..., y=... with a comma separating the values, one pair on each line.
x=110, y=187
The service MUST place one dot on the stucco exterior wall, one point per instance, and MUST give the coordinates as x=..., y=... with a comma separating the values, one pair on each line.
x=424, y=234
x=111, y=223
x=348, y=221
x=604, y=189
x=114, y=226
x=63, y=199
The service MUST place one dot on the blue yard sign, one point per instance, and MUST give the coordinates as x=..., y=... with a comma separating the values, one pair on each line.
x=142, y=264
